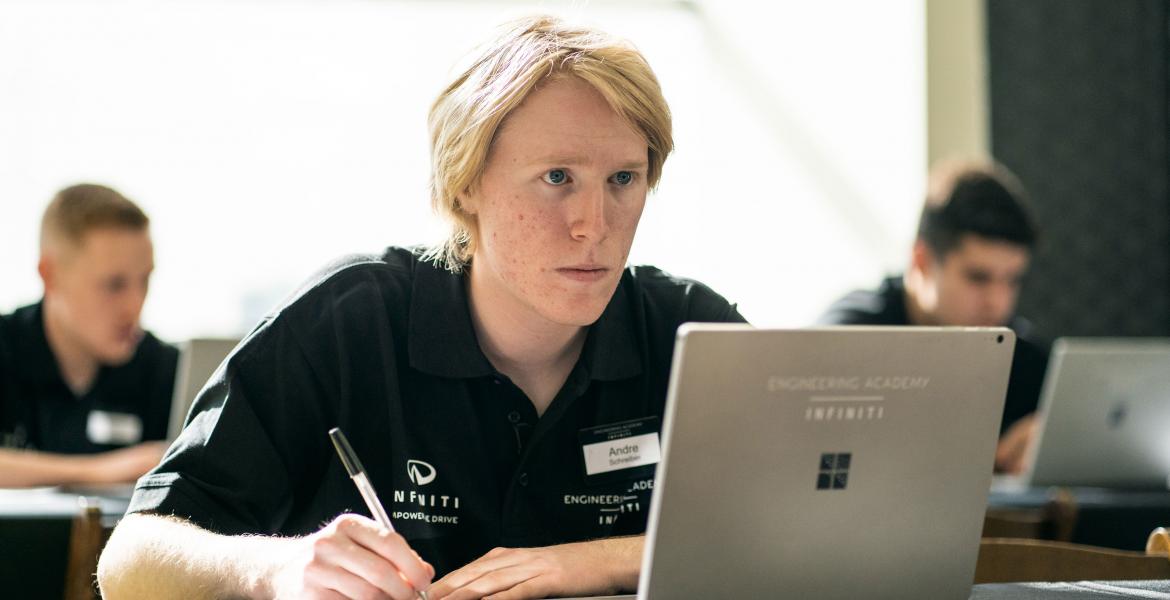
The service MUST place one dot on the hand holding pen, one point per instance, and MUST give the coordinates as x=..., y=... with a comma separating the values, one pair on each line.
x=353, y=557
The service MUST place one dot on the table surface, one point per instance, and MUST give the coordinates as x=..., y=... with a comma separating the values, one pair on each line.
x=1075, y=590
x=55, y=503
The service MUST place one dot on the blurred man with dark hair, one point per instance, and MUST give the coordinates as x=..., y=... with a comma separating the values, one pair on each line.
x=82, y=386
x=975, y=242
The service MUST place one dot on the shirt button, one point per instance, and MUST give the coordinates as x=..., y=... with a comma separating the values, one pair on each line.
x=514, y=417
x=523, y=479
x=496, y=380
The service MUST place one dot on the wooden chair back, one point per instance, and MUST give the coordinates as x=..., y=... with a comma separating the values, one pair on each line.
x=86, y=540
x=1056, y=520
x=1003, y=560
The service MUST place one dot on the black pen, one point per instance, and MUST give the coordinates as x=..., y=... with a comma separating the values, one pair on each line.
x=357, y=473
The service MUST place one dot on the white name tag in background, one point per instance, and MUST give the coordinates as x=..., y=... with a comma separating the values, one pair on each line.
x=113, y=428
x=622, y=453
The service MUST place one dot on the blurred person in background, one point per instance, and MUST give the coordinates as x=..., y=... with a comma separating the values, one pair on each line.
x=85, y=393
x=975, y=242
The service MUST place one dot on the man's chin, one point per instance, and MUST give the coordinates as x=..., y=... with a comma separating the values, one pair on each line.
x=584, y=310
x=117, y=356
x=577, y=316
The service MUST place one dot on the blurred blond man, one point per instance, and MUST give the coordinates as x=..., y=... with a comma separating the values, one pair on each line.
x=84, y=391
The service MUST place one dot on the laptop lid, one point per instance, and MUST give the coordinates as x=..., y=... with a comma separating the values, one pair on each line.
x=1104, y=415
x=198, y=360
x=825, y=463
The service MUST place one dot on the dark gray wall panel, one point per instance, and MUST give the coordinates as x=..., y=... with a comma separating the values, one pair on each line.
x=1078, y=92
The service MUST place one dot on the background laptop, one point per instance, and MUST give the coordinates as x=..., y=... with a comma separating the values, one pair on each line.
x=1104, y=415
x=198, y=359
x=825, y=463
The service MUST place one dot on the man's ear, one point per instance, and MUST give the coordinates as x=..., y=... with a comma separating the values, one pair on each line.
x=47, y=269
x=467, y=202
x=923, y=259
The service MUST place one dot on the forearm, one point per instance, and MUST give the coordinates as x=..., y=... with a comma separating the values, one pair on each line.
x=624, y=555
x=150, y=556
x=26, y=468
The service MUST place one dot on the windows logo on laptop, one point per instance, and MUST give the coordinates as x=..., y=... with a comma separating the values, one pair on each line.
x=834, y=471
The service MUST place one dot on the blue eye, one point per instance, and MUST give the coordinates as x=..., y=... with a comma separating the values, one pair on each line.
x=555, y=177
x=623, y=178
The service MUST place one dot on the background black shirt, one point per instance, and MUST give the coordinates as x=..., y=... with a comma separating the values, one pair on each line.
x=39, y=411
x=383, y=347
x=887, y=306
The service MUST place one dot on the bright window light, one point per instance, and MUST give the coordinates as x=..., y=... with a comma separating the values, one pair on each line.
x=266, y=138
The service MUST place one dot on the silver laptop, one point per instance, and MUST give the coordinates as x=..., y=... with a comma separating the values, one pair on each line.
x=825, y=463
x=1104, y=415
x=198, y=360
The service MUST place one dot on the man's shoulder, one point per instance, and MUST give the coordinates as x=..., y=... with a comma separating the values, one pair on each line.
x=884, y=305
x=20, y=321
x=156, y=351
x=1030, y=345
x=7, y=324
x=353, y=279
x=21, y=336
x=346, y=298
x=9, y=337
x=689, y=298
x=655, y=280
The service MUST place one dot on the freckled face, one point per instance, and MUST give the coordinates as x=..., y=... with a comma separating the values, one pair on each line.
x=557, y=207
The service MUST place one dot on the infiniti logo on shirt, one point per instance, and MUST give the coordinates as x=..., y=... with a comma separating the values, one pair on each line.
x=434, y=509
x=420, y=473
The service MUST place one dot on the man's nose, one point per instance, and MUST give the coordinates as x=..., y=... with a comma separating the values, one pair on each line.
x=588, y=222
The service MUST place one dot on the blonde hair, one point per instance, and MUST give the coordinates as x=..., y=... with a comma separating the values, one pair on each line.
x=79, y=209
x=466, y=116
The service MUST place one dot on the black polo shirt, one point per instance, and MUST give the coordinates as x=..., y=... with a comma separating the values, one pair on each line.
x=383, y=347
x=127, y=404
x=887, y=306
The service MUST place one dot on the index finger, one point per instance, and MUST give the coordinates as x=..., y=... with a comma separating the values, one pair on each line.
x=395, y=549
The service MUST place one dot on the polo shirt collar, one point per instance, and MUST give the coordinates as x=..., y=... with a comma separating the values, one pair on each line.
x=442, y=342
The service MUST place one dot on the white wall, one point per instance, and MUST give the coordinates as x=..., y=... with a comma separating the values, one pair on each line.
x=265, y=138
x=957, y=113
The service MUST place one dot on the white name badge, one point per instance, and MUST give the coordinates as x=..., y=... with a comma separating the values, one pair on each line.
x=622, y=453
x=113, y=428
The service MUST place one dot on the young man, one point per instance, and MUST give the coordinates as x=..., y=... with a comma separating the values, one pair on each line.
x=83, y=390
x=975, y=241
x=468, y=379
